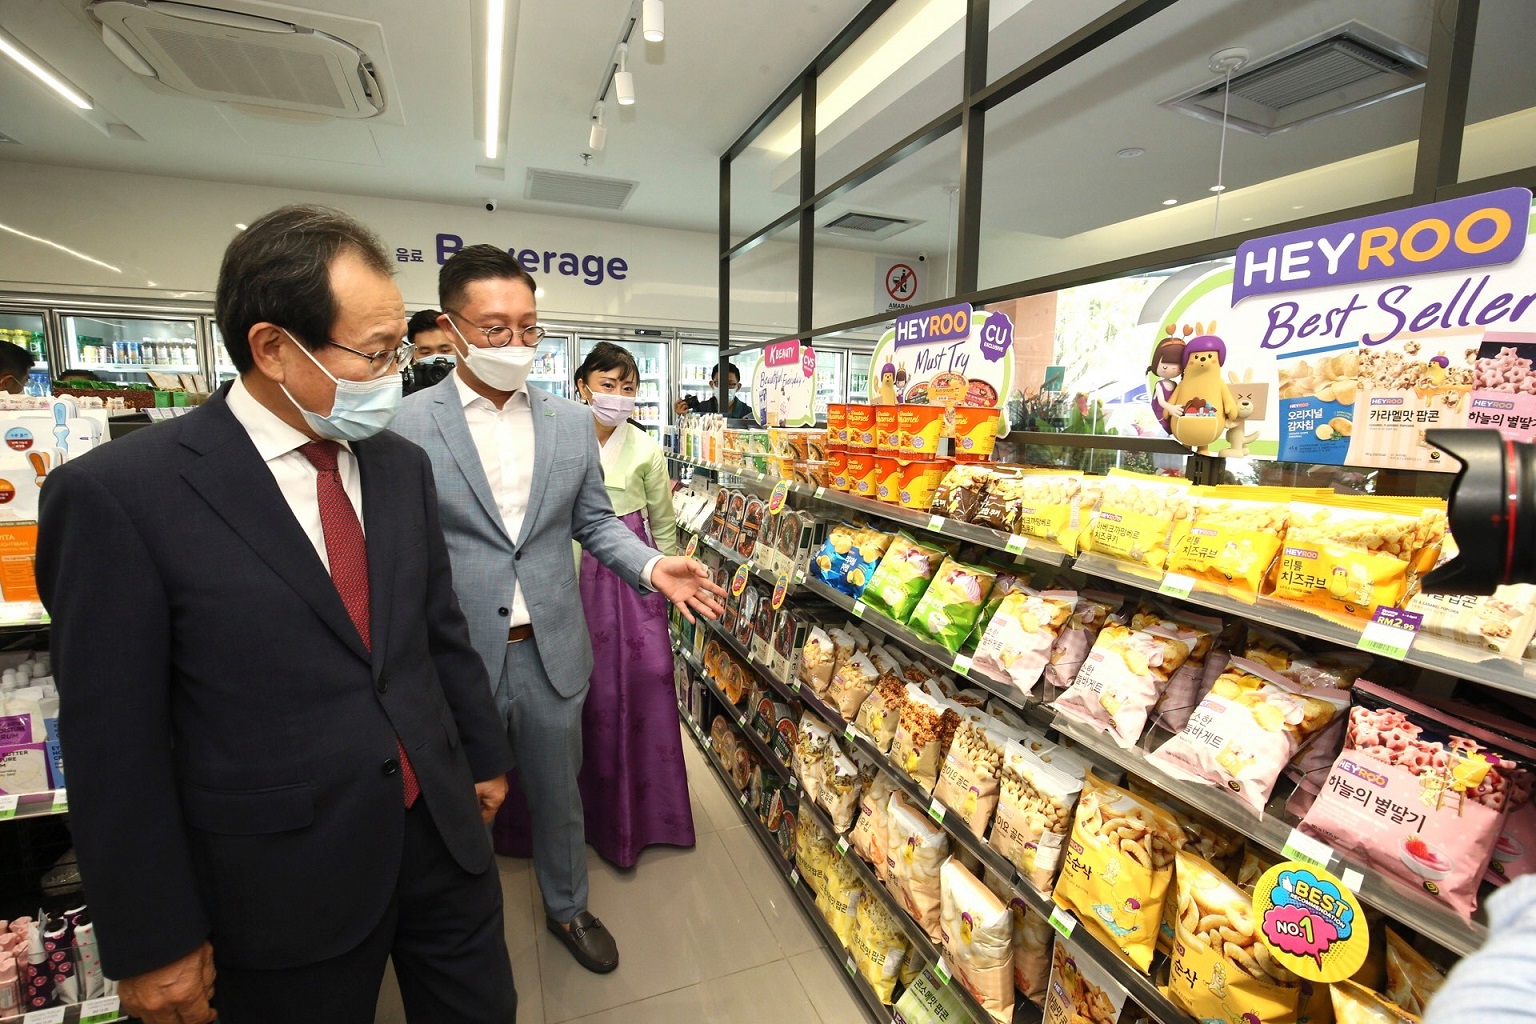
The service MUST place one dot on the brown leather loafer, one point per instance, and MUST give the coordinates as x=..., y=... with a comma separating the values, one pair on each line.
x=589, y=942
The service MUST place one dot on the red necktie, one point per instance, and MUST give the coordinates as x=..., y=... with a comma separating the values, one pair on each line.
x=347, y=552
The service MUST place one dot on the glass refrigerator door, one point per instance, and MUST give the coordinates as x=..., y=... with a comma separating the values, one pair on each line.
x=28, y=331
x=829, y=379
x=551, y=367
x=651, y=400
x=858, y=377
x=127, y=349
x=700, y=360
x=223, y=368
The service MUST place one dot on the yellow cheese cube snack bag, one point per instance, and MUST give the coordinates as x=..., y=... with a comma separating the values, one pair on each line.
x=1140, y=515
x=1117, y=868
x=1356, y=1004
x=1221, y=970
x=1350, y=555
x=1233, y=539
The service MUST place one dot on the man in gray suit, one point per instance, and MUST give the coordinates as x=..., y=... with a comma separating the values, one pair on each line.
x=518, y=478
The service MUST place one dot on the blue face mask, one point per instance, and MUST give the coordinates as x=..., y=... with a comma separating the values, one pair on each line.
x=360, y=409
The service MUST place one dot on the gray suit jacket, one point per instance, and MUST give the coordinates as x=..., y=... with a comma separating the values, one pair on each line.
x=567, y=501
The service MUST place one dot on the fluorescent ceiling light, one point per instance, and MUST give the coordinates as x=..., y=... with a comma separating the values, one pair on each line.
x=1170, y=202
x=495, y=43
x=34, y=66
x=62, y=248
x=653, y=16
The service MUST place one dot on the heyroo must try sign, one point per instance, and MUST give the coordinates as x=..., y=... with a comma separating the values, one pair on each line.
x=1369, y=332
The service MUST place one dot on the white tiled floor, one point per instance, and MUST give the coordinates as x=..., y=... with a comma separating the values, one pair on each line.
x=707, y=934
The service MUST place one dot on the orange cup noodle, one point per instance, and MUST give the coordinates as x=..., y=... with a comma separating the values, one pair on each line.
x=861, y=475
x=919, y=428
x=919, y=482
x=837, y=425
x=861, y=427
x=975, y=433
x=837, y=469
x=887, y=478
x=813, y=472
x=887, y=431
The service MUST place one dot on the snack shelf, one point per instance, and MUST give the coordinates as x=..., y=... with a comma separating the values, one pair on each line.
x=735, y=558
x=877, y=1010
x=942, y=657
x=923, y=947
x=791, y=690
x=33, y=805
x=1460, y=661
x=743, y=719
x=1386, y=894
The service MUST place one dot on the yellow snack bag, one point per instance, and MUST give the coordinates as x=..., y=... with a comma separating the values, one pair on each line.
x=1347, y=558
x=1411, y=978
x=1355, y=1004
x=879, y=948
x=1047, y=503
x=840, y=898
x=1117, y=867
x=1221, y=971
x=1140, y=515
x=1233, y=538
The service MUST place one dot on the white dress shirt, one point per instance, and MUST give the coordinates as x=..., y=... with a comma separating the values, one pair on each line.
x=278, y=445
x=504, y=441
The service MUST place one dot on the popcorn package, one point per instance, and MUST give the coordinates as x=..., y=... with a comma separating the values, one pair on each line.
x=1032, y=938
x=1418, y=794
x=1034, y=811
x=1018, y=641
x=915, y=851
x=1246, y=730
x=1123, y=677
x=880, y=948
x=923, y=732
x=1117, y=868
x=1503, y=623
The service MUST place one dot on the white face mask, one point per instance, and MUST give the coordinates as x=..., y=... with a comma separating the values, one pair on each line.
x=505, y=369
x=610, y=410
x=360, y=408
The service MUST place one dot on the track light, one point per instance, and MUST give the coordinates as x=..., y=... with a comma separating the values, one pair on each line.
x=39, y=69
x=623, y=81
x=654, y=18
x=599, y=136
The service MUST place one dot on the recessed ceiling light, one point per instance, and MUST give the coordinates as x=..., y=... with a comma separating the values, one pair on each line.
x=1130, y=152
x=1218, y=188
x=242, y=227
x=1247, y=219
x=1298, y=206
x=1170, y=202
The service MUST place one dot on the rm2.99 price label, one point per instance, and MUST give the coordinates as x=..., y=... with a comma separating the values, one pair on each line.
x=1311, y=922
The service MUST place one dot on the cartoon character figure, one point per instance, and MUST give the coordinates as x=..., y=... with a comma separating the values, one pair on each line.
x=1167, y=364
x=886, y=395
x=901, y=381
x=1436, y=371
x=1242, y=392
x=1201, y=381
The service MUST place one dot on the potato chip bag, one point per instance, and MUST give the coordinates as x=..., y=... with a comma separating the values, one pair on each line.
x=948, y=610
x=1246, y=730
x=881, y=711
x=1122, y=678
x=1117, y=868
x=903, y=575
x=1220, y=968
x=1356, y=1004
x=851, y=684
x=879, y=948
x=1035, y=809
x=1007, y=582
x=968, y=777
x=1068, y=651
x=869, y=833
x=1411, y=979
x=1017, y=644
x=841, y=790
x=976, y=934
x=848, y=557
x=1139, y=516
x=915, y=849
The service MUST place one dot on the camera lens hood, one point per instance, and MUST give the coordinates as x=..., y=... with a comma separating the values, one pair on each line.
x=1492, y=512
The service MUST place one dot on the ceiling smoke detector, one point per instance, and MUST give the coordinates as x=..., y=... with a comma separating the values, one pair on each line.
x=1346, y=69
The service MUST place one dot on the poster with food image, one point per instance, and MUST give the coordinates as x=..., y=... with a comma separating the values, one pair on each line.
x=784, y=385
x=1504, y=385
x=1404, y=387
x=952, y=356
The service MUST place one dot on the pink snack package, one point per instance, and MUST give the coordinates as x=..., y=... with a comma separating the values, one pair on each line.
x=1124, y=674
x=1092, y=610
x=1186, y=686
x=1418, y=794
x=1246, y=730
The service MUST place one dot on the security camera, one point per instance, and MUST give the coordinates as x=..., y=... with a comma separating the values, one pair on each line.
x=490, y=206
x=922, y=257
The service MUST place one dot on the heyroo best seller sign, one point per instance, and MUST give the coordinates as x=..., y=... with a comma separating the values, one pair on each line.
x=1366, y=333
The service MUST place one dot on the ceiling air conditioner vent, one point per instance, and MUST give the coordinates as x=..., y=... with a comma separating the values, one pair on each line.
x=1347, y=69
x=867, y=225
x=578, y=189
x=233, y=57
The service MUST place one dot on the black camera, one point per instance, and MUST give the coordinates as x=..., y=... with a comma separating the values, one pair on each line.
x=1492, y=512
x=422, y=375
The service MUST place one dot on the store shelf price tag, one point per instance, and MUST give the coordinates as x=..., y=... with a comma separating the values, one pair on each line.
x=820, y=491
x=794, y=876
x=780, y=590
x=60, y=801
x=858, y=608
x=795, y=686
x=53, y=1016
x=1176, y=585
x=794, y=782
x=849, y=734
x=1062, y=921
x=941, y=971
x=778, y=497
x=962, y=663
x=849, y=967
x=692, y=548
x=1016, y=544
x=936, y=812
x=1310, y=921
x=842, y=846
x=743, y=800
x=99, y=1011
x=742, y=721
x=1390, y=632
x=1302, y=847
x=8, y=804
x=739, y=581
x=936, y=523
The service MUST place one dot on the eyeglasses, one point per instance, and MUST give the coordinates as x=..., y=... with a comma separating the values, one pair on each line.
x=500, y=337
x=383, y=361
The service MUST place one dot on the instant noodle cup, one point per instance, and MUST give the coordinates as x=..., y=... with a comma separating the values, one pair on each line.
x=837, y=469
x=837, y=425
x=920, y=428
x=887, y=479
x=813, y=472
x=782, y=467
x=919, y=482
x=887, y=430
x=861, y=427
x=861, y=475
x=975, y=433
